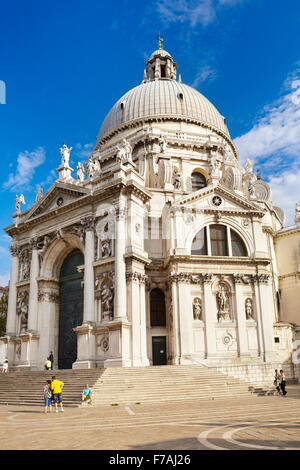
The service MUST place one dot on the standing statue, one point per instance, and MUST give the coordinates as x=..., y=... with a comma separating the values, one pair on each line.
x=251, y=189
x=106, y=248
x=162, y=144
x=197, y=309
x=214, y=166
x=249, y=166
x=39, y=193
x=223, y=304
x=80, y=172
x=106, y=302
x=65, y=155
x=249, y=309
x=18, y=200
x=90, y=168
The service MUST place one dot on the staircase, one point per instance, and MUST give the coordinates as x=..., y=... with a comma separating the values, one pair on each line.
x=128, y=385
x=26, y=387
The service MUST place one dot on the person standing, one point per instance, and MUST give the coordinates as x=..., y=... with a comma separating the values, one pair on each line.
x=283, y=383
x=51, y=359
x=277, y=381
x=48, y=396
x=56, y=387
x=5, y=365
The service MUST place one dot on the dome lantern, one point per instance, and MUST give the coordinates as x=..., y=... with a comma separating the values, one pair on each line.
x=160, y=65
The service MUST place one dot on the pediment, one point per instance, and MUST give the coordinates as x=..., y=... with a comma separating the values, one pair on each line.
x=230, y=201
x=59, y=195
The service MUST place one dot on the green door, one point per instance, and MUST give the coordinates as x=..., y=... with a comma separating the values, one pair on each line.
x=159, y=350
x=70, y=308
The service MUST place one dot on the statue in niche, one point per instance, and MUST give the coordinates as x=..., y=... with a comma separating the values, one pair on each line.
x=249, y=309
x=223, y=303
x=80, y=172
x=18, y=201
x=24, y=266
x=162, y=144
x=107, y=302
x=65, y=155
x=22, y=310
x=197, y=309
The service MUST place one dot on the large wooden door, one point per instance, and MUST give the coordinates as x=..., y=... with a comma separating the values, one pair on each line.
x=159, y=350
x=70, y=308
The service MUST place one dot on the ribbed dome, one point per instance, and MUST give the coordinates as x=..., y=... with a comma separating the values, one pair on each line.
x=162, y=98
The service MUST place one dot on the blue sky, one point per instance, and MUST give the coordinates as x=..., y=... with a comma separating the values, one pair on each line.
x=65, y=63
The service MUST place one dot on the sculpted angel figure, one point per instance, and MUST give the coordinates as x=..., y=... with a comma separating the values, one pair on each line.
x=65, y=155
x=18, y=201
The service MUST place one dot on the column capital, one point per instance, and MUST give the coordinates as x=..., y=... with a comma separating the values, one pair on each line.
x=88, y=222
x=15, y=250
x=141, y=278
x=34, y=243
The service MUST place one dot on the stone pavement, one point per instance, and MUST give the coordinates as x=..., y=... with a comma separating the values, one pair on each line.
x=248, y=423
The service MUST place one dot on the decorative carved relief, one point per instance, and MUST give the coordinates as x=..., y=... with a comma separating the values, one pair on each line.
x=88, y=222
x=48, y=296
x=24, y=268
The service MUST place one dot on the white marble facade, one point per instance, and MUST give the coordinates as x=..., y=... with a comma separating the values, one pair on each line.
x=176, y=237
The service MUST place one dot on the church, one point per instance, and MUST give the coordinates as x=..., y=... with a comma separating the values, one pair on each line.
x=160, y=249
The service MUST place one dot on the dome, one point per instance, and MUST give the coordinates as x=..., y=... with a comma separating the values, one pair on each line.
x=163, y=98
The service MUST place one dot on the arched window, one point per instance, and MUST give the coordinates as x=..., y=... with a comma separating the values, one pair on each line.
x=237, y=245
x=198, y=181
x=218, y=240
x=157, y=308
x=199, y=245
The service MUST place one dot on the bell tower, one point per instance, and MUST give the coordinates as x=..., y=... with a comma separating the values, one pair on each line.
x=160, y=66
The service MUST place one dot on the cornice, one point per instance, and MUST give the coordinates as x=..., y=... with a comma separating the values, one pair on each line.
x=219, y=260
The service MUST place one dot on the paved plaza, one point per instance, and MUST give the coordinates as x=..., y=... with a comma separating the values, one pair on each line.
x=238, y=424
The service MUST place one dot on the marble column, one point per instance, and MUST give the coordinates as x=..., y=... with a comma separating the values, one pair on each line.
x=143, y=323
x=241, y=318
x=89, y=283
x=33, y=289
x=185, y=320
x=267, y=315
x=120, y=265
x=175, y=326
x=209, y=316
x=12, y=297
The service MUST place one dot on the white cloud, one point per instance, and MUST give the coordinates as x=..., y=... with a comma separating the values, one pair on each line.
x=27, y=162
x=206, y=73
x=286, y=192
x=277, y=131
x=273, y=144
x=4, y=279
x=83, y=151
x=191, y=11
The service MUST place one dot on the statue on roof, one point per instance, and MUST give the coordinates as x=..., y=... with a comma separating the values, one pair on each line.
x=39, y=193
x=160, y=42
x=65, y=155
x=18, y=201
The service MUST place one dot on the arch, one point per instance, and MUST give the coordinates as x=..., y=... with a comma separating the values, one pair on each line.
x=57, y=252
x=198, y=180
x=157, y=308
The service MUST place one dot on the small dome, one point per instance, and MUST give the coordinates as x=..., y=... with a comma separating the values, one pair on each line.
x=160, y=53
x=163, y=99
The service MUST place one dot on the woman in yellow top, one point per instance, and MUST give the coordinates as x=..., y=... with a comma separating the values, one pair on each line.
x=56, y=387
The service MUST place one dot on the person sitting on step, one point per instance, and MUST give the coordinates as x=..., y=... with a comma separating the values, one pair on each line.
x=87, y=395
